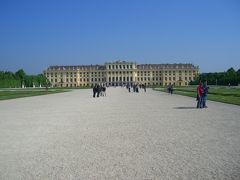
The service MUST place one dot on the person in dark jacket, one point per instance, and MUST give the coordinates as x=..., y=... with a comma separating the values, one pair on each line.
x=205, y=93
x=94, y=90
x=98, y=90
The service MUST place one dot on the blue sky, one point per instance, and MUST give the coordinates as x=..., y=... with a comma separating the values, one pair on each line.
x=37, y=33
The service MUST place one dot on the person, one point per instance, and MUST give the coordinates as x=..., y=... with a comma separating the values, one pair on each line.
x=104, y=91
x=171, y=89
x=205, y=93
x=128, y=87
x=134, y=87
x=94, y=90
x=137, y=88
x=144, y=87
x=200, y=95
x=98, y=90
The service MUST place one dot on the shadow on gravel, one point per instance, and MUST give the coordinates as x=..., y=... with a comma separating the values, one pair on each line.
x=184, y=108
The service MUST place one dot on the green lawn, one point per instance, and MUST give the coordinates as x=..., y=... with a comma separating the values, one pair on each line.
x=18, y=93
x=230, y=95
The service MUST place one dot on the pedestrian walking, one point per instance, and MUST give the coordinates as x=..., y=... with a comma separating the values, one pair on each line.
x=144, y=87
x=98, y=90
x=171, y=89
x=200, y=95
x=94, y=90
x=205, y=93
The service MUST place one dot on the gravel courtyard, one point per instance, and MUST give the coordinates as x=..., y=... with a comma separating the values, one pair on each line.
x=149, y=135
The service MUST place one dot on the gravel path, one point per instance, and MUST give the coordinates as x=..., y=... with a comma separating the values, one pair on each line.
x=125, y=135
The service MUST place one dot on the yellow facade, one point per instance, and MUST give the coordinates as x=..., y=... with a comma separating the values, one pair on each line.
x=121, y=73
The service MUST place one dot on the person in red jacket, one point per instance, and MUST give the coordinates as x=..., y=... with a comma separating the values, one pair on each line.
x=200, y=95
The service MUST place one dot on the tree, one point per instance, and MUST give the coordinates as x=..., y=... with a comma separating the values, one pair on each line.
x=221, y=78
x=20, y=74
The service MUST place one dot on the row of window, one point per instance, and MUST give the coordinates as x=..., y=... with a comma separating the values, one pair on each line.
x=120, y=66
x=112, y=79
x=166, y=83
x=81, y=85
x=127, y=72
x=124, y=79
x=81, y=80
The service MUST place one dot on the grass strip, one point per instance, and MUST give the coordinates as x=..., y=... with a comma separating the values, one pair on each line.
x=222, y=95
x=19, y=94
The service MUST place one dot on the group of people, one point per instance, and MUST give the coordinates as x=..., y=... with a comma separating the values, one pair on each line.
x=136, y=87
x=202, y=92
x=99, y=90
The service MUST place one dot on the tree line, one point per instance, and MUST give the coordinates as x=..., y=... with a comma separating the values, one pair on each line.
x=230, y=77
x=20, y=78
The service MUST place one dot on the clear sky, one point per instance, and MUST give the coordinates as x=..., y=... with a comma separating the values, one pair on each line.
x=37, y=33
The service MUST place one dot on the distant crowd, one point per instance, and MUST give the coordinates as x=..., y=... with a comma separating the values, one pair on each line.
x=135, y=87
x=202, y=91
x=99, y=90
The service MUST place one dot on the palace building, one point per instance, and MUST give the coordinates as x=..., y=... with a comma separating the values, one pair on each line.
x=121, y=73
